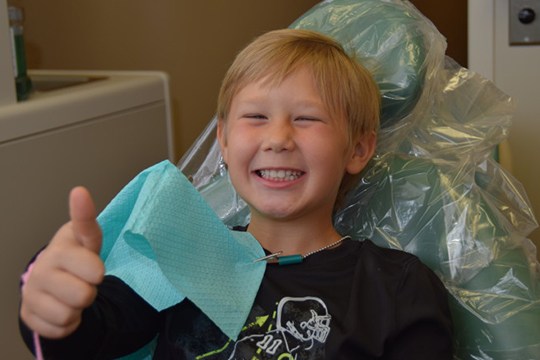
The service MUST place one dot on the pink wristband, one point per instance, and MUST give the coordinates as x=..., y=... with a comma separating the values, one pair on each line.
x=35, y=336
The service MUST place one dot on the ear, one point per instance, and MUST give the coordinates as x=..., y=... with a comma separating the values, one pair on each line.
x=362, y=151
x=222, y=138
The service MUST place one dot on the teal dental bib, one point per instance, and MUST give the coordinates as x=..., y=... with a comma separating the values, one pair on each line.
x=165, y=242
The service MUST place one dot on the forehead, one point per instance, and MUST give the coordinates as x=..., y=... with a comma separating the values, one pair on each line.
x=324, y=90
x=299, y=85
x=274, y=73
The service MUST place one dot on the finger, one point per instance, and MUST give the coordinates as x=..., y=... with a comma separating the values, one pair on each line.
x=82, y=212
x=48, y=330
x=70, y=290
x=51, y=310
x=49, y=317
x=83, y=264
x=75, y=260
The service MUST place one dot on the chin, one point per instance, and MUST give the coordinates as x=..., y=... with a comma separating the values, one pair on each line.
x=273, y=212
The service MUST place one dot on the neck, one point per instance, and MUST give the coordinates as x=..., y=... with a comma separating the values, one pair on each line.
x=293, y=237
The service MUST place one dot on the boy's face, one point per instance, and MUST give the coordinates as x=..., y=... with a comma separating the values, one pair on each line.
x=286, y=153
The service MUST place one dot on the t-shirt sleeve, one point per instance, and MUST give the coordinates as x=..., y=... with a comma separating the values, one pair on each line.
x=424, y=330
x=118, y=323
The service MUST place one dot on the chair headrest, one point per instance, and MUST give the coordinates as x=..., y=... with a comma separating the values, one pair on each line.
x=388, y=39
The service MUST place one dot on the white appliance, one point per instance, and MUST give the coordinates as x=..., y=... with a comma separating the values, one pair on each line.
x=97, y=129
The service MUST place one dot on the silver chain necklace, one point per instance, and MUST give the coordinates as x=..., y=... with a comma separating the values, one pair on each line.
x=275, y=258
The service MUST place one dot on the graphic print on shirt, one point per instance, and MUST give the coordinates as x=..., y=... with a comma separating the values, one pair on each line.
x=297, y=329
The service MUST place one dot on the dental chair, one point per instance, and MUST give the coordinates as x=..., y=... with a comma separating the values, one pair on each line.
x=434, y=188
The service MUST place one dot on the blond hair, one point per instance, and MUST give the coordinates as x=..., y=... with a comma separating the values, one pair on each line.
x=346, y=87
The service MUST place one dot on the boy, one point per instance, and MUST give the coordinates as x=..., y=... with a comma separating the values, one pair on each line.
x=297, y=123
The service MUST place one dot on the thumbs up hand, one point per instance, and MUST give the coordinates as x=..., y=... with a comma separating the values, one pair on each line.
x=65, y=275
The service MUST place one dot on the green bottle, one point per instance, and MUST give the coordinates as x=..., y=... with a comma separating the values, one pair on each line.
x=23, y=84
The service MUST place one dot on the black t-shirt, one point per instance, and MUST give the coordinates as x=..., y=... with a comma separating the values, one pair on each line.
x=357, y=301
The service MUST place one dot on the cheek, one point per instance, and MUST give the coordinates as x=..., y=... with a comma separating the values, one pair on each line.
x=332, y=152
x=238, y=149
x=231, y=143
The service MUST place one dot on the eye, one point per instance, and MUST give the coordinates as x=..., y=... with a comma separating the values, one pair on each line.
x=255, y=116
x=307, y=118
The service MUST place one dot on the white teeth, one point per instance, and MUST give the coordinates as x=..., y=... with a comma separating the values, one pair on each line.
x=280, y=175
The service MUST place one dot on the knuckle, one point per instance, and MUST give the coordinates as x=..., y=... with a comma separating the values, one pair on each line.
x=67, y=318
x=64, y=231
x=56, y=332
x=86, y=296
x=100, y=271
x=26, y=315
x=96, y=271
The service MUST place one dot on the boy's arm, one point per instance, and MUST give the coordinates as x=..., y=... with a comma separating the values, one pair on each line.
x=63, y=278
x=423, y=317
x=116, y=324
x=64, y=297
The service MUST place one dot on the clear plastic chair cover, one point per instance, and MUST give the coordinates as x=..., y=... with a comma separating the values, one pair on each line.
x=434, y=188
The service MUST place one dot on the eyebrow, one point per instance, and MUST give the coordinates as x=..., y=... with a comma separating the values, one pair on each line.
x=306, y=103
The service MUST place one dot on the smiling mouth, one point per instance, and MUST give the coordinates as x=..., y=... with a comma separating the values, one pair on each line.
x=279, y=175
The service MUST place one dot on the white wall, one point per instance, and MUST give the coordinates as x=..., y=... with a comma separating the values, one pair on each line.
x=515, y=69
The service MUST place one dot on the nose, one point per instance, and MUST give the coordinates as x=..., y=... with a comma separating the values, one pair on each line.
x=279, y=136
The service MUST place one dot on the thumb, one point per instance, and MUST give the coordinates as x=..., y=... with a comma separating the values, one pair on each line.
x=82, y=212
